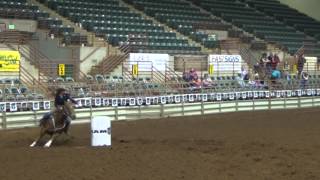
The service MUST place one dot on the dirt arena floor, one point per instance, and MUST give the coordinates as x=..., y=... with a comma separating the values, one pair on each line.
x=266, y=145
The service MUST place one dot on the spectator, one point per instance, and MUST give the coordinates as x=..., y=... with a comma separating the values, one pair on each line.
x=275, y=75
x=196, y=83
x=193, y=74
x=301, y=61
x=240, y=80
x=244, y=73
x=304, y=80
x=207, y=81
x=275, y=61
x=186, y=77
x=268, y=64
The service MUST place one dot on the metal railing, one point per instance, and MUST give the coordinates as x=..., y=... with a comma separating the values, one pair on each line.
x=184, y=108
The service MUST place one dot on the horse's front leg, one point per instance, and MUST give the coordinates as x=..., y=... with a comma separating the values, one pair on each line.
x=48, y=144
x=42, y=133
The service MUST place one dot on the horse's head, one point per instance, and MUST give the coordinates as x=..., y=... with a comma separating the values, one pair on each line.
x=69, y=110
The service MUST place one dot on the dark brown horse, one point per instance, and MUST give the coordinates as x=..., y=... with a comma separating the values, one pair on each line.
x=55, y=124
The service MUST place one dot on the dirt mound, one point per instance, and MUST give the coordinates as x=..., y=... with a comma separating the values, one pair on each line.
x=246, y=145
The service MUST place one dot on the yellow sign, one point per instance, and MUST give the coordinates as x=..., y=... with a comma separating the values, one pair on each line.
x=135, y=70
x=294, y=68
x=9, y=61
x=61, y=70
x=211, y=69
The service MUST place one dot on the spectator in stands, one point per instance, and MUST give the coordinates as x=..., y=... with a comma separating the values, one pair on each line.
x=275, y=61
x=186, y=76
x=275, y=76
x=240, y=80
x=304, y=80
x=244, y=74
x=207, y=81
x=263, y=60
x=269, y=64
x=300, y=65
x=193, y=74
x=195, y=84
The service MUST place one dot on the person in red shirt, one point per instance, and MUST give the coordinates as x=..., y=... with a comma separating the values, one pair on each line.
x=275, y=61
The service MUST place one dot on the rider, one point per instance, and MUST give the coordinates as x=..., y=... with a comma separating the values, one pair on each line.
x=60, y=98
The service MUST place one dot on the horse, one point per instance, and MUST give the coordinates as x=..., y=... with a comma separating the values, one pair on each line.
x=54, y=124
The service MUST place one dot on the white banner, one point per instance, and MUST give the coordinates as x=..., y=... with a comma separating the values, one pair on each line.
x=163, y=100
x=191, y=97
x=289, y=93
x=13, y=107
x=212, y=96
x=46, y=105
x=105, y=102
x=218, y=97
x=3, y=107
x=148, y=100
x=146, y=61
x=35, y=105
x=87, y=102
x=123, y=101
x=79, y=103
x=204, y=97
x=155, y=100
x=170, y=99
x=140, y=101
x=225, y=62
x=267, y=94
x=184, y=98
x=114, y=102
x=177, y=99
x=132, y=101
x=299, y=93
x=231, y=96
x=97, y=101
x=244, y=95
x=309, y=92
x=238, y=95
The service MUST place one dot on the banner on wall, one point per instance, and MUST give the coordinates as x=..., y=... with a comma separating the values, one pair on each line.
x=225, y=62
x=9, y=61
x=145, y=61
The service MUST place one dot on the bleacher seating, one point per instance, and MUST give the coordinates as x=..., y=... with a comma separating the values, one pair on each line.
x=116, y=23
x=256, y=22
x=20, y=9
x=14, y=90
x=181, y=16
x=292, y=18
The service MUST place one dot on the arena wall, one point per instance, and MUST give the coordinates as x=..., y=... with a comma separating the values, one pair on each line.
x=90, y=56
x=50, y=47
x=21, y=25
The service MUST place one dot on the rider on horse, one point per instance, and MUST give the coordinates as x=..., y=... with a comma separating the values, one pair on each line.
x=61, y=98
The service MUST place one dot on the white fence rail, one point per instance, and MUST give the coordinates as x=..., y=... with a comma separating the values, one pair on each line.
x=31, y=118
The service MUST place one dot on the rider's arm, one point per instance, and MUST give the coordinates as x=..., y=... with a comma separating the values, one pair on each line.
x=67, y=96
